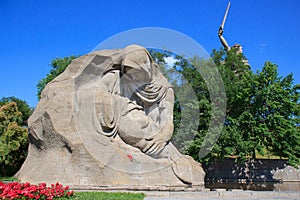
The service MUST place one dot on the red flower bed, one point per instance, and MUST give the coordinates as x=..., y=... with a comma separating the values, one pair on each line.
x=15, y=190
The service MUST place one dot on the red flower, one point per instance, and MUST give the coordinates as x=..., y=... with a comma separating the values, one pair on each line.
x=17, y=190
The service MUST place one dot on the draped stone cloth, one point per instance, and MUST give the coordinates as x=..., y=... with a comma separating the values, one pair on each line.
x=107, y=121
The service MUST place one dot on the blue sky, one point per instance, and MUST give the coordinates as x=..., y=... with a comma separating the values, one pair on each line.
x=32, y=33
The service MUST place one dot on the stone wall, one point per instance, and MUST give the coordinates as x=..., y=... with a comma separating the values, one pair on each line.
x=252, y=170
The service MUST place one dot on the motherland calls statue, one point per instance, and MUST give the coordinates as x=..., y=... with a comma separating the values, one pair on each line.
x=223, y=41
x=107, y=121
x=236, y=47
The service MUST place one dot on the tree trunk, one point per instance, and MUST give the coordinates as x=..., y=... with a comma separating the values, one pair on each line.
x=3, y=171
x=254, y=154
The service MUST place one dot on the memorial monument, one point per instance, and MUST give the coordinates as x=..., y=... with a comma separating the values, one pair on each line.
x=107, y=121
x=223, y=41
x=236, y=47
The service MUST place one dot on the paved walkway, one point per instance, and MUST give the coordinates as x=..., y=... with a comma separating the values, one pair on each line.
x=219, y=194
x=224, y=195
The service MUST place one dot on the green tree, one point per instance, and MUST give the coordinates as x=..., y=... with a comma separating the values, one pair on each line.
x=275, y=109
x=13, y=139
x=236, y=77
x=23, y=107
x=193, y=130
x=262, y=112
x=58, y=66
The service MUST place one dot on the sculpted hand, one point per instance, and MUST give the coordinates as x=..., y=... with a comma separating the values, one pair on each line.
x=155, y=144
x=220, y=32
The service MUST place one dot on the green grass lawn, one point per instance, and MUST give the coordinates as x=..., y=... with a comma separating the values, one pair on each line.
x=8, y=179
x=106, y=196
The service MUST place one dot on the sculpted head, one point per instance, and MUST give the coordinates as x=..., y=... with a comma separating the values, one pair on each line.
x=238, y=47
x=136, y=64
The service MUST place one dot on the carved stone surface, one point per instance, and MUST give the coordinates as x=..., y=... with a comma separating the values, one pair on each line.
x=107, y=121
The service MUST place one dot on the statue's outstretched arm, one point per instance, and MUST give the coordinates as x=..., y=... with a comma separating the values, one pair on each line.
x=222, y=39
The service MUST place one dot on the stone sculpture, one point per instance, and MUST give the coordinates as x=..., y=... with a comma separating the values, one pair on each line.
x=107, y=121
x=236, y=47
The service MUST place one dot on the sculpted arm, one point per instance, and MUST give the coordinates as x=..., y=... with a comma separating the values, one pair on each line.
x=157, y=142
x=169, y=126
x=222, y=39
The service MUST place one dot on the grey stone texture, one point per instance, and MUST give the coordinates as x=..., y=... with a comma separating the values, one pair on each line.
x=107, y=121
x=252, y=170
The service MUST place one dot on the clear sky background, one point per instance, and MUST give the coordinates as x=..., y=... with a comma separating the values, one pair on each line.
x=32, y=33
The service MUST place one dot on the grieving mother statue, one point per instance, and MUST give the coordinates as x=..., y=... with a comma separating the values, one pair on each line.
x=109, y=119
x=140, y=101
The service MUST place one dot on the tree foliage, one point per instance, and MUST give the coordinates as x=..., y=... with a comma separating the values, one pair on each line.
x=262, y=111
x=23, y=107
x=13, y=139
x=58, y=66
x=274, y=110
